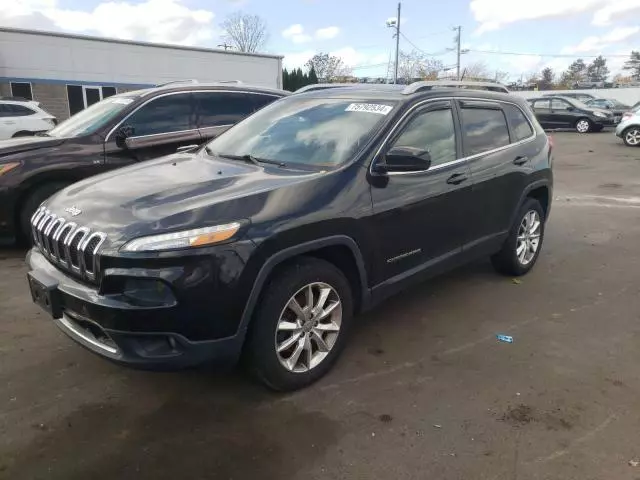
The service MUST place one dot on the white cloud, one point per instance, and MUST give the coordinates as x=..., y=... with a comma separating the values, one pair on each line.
x=494, y=14
x=295, y=60
x=296, y=34
x=327, y=33
x=349, y=55
x=168, y=21
x=595, y=43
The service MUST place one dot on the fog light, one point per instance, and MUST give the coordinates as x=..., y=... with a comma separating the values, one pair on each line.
x=147, y=291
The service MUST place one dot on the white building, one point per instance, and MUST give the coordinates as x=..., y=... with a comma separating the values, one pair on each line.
x=67, y=73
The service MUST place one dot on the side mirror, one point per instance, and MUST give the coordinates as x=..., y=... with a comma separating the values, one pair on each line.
x=570, y=108
x=608, y=107
x=124, y=132
x=405, y=159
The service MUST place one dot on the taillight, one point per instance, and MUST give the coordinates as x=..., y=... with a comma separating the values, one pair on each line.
x=551, y=142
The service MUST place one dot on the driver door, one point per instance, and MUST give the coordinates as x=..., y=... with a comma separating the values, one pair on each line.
x=419, y=217
x=159, y=127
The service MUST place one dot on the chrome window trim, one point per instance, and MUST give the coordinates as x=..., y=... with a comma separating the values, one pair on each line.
x=149, y=100
x=458, y=160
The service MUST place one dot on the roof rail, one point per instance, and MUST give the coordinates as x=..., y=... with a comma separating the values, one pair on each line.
x=173, y=82
x=431, y=84
x=229, y=81
x=323, y=86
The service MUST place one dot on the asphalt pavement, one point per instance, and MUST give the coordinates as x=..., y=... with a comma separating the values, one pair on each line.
x=423, y=391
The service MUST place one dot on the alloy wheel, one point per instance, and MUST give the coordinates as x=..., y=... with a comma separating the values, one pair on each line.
x=528, y=237
x=582, y=126
x=308, y=327
x=632, y=137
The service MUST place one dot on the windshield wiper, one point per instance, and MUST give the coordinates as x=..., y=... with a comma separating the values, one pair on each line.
x=249, y=158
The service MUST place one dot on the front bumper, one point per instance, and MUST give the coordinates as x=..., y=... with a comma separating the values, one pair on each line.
x=133, y=335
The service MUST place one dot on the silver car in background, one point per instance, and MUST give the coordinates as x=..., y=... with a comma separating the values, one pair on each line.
x=629, y=128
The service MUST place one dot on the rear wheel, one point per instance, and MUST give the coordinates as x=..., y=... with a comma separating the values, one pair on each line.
x=522, y=247
x=31, y=203
x=301, y=325
x=631, y=136
x=584, y=125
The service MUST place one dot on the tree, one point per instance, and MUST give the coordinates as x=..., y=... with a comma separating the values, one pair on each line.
x=546, y=79
x=313, y=78
x=247, y=33
x=597, y=71
x=476, y=71
x=417, y=65
x=576, y=72
x=633, y=64
x=327, y=67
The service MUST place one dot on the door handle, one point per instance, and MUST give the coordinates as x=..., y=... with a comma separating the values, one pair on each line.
x=457, y=178
x=520, y=160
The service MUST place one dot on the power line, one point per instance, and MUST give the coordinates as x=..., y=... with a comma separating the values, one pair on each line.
x=558, y=55
x=422, y=51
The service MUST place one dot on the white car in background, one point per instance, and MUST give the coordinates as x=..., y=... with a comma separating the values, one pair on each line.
x=629, y=128
x=23, y=118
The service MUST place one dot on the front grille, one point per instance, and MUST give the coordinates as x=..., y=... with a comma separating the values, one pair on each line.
x=66, y=244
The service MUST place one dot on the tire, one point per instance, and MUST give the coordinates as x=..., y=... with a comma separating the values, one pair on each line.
x=583, y=125
x=273, y=309
x=509, y=260
x=631, y=136
x=31, y=203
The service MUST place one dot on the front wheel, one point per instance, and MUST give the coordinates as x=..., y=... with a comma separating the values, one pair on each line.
x=584, y=125
x=631, y=137
x=520, y=251
x=301, y=325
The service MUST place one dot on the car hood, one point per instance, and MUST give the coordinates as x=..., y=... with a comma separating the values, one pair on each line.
x=176, y=192
x=24, y=144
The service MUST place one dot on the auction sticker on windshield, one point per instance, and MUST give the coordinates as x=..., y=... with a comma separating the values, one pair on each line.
x=369, y=108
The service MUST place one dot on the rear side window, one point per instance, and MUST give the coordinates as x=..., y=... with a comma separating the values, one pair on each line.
x=558, y=104
x=543, y=103
x=11, y=110
x=483, y=129
x=171, y=113
x=520, y=126
x=432, y=131
x=216, y=109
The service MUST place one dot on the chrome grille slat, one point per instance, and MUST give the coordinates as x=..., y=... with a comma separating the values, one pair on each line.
x=66, y=244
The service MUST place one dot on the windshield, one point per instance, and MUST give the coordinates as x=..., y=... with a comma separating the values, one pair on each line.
x=317, y=132
x=90, y=119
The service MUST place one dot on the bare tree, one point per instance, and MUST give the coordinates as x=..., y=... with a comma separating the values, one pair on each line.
x=477, y=71
x=328, y=68
x=417, y=65
x=247, y=33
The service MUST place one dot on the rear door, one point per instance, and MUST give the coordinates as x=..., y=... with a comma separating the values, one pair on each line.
x=542, y=110
x=7, y=122
x=217, y=111
x=498, y=156
x=158, y=127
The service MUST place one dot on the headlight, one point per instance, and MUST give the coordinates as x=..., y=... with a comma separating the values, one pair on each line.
x=197, y=237
x=600, y=114
x=4, y=168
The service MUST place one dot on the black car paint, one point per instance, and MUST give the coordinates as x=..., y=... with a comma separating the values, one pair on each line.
x=385, y=231
x=567, y=118
x=67, y=160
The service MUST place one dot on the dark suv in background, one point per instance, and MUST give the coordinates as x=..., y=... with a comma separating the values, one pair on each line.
x=270, y=238
x=567, y=112
x=120, y=130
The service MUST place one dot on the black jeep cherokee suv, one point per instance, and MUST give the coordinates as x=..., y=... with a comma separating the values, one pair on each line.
x=120, y=130
x=269, y=239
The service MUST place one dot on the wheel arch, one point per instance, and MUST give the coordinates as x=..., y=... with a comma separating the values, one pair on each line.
x=340, y=250
x=541, y=190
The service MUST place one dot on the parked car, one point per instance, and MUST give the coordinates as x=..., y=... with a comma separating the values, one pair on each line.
x=583, y=97
x=614, y=106
x=589, y=84
x=629, y=129
x=117, y=131
x=565, y=112
x=23, y=118
x=267, y=240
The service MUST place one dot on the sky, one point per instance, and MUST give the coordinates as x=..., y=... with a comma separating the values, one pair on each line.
x=542, y=32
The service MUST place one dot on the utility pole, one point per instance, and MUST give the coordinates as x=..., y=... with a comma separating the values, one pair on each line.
x=459, y=29
x=226, y=46
x=395, y=76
